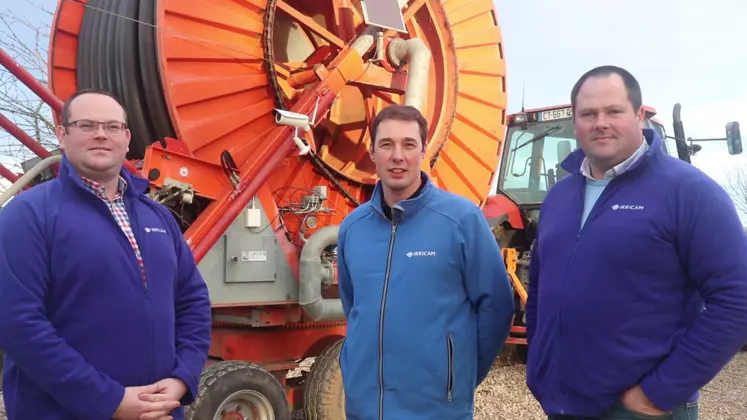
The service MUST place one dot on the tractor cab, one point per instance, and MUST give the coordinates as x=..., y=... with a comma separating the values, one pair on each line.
x=537, y=142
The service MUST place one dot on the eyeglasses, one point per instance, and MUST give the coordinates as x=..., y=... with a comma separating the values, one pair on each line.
x=90, y=127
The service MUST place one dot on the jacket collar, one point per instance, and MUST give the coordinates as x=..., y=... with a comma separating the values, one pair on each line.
x=68, y=175
x=573, y=162
x=404, y=208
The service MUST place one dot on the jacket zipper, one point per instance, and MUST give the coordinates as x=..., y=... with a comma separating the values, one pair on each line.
x=381, y=320
x=450, y=382
x=135, y=228
x=592, y=213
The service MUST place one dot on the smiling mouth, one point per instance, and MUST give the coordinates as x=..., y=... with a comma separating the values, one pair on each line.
x=397, y=171
x=101, y=149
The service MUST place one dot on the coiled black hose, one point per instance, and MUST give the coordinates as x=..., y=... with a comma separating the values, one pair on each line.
x=117, y=52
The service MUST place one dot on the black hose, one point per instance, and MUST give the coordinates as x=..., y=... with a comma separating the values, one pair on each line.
x=150, y=74
x=118, y=54
x=125, y=58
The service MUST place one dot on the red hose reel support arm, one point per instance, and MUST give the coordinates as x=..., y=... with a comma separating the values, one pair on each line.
x=46, y=95
x=214, y=221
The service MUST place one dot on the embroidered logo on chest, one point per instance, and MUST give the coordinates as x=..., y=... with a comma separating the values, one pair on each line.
x=421, y=254
x=627, y=207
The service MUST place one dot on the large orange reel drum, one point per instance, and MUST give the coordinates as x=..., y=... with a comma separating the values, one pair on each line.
x=213, y=70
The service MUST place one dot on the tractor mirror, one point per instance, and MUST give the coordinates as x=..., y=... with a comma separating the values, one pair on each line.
x=733, y=138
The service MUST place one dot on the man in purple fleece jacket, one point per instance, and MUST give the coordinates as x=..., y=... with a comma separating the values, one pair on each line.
x=638, y=281
x=103, y=313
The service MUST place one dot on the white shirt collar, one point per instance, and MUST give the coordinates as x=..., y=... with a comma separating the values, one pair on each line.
x=621, y=167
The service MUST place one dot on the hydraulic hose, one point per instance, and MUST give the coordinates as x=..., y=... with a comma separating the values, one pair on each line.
x=117, y=53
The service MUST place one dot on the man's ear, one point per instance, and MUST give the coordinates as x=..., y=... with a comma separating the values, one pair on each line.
x=60, y=131
x=641, y=115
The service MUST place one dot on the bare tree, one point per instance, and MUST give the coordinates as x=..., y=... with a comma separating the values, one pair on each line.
x=26, y=39
x=736, y=185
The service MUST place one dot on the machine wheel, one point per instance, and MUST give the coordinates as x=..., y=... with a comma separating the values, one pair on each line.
x=238, y=390
x=324, y=395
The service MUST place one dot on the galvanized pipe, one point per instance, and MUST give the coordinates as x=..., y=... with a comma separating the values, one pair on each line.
x=418, y=55
x=311, y=277
x=28, y=177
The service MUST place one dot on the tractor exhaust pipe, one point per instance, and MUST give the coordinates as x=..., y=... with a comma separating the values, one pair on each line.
x=313, y=273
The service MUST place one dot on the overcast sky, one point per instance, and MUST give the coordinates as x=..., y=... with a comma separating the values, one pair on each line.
x=686, y=51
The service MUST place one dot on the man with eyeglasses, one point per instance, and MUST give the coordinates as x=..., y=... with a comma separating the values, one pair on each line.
x=103, y=313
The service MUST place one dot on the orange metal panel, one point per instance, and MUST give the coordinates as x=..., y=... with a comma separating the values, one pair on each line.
x=220, y=96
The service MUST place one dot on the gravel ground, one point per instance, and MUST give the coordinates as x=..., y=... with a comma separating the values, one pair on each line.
x=504, y=395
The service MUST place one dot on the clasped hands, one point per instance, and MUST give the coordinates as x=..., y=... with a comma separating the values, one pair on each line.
x=151, y=402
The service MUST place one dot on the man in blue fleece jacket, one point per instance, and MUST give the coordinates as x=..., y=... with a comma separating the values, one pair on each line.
x=423, y=287
x=631, y=246
x=103, y=313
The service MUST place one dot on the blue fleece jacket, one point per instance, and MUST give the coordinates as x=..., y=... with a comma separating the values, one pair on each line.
x=77, y=322
x=617, y=303
x=428, y=303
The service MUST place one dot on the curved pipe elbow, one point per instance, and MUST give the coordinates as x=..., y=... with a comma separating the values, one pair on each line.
x=418, y=55
x=310, y=283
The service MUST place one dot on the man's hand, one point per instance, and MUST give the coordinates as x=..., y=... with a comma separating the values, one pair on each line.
x=167, y=390
x=134, y=407
x=634, y=399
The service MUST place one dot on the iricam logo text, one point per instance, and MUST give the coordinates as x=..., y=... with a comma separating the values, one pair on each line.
x=159, y=230
x=627, y=207
x=421, y=254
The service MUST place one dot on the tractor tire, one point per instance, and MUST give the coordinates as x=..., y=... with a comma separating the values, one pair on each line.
x=324, y=395
x=238, y=387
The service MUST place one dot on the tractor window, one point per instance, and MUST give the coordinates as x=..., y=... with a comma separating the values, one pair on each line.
x=529, y=169
x=660, y=131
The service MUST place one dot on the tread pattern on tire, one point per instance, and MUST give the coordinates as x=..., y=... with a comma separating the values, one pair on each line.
x=320, y=394
x=252, y=374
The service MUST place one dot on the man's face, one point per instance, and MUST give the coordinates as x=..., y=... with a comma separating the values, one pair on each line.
x=607, y=127
x=398, y=152
x=95, y=150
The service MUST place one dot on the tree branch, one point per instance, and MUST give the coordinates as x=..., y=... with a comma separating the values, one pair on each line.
x=26, y=40
x=736, y=186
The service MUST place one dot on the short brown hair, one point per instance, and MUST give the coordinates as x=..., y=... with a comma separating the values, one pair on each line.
x=65, y=114
x=400, y=113
x=631, y=84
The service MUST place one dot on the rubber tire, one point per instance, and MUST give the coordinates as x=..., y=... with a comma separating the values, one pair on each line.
x=324, y=394
x=222, y=379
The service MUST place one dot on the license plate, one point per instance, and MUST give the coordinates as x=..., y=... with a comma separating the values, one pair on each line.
x=556, y=114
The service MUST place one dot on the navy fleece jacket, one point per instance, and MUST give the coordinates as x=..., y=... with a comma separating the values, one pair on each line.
x=617, y=303
x=77, y=322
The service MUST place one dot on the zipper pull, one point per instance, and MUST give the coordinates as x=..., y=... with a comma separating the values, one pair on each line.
x=448, y=396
